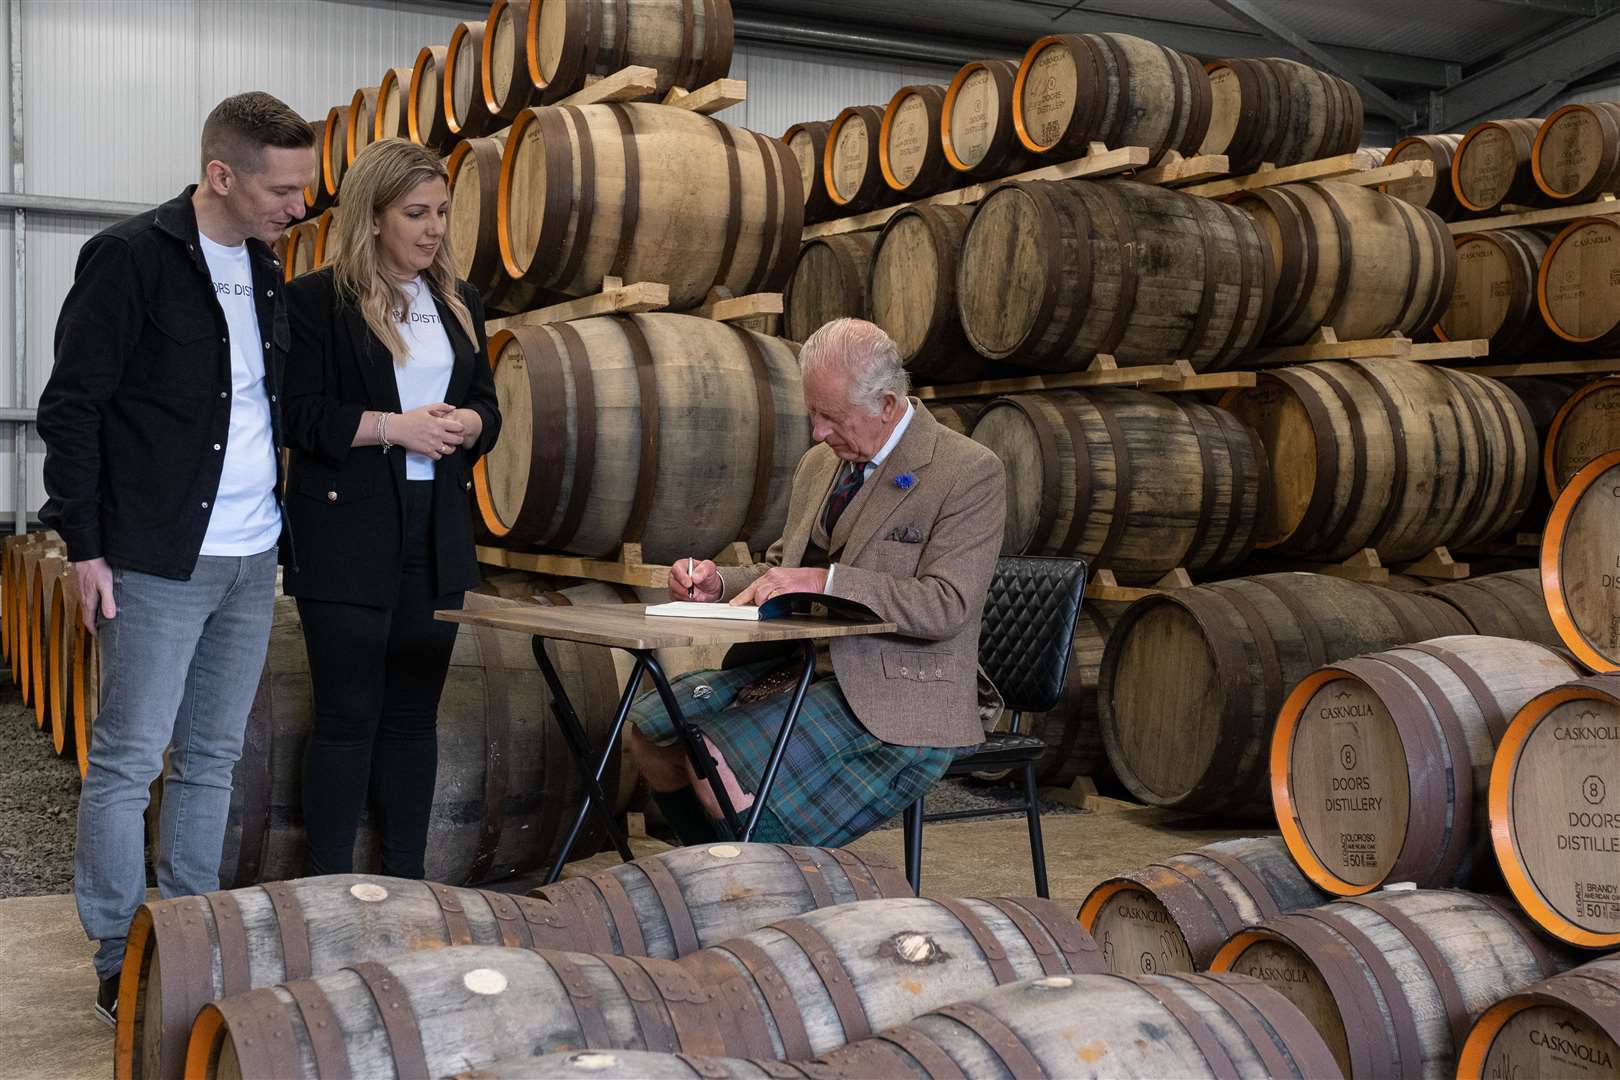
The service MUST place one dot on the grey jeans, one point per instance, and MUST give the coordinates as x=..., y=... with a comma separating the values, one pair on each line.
x=179, y=668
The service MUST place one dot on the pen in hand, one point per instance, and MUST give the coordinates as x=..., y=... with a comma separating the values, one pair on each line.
x=691, y=590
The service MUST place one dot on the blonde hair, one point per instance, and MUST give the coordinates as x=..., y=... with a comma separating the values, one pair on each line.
x=382, y=174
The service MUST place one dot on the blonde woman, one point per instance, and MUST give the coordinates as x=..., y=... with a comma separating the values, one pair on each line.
x=389, y=401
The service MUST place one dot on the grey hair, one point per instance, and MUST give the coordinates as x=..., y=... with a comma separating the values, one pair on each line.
x=862, y=350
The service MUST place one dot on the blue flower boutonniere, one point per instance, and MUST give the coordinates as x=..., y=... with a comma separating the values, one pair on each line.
x=905, y=481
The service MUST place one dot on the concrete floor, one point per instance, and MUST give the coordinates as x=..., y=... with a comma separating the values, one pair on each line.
x=47, y=1029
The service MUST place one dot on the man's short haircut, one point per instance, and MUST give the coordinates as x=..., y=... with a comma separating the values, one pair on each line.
x=865, y=352
x=241, y=126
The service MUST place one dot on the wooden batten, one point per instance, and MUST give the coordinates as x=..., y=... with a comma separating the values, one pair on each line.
x=1555, y=215
x=627, y=569
x=626, y=84
x=709, y=99
x=1172, y=377
x=1346, y=168
x=617, y=298
x=1174, y=170
x=1325, y=345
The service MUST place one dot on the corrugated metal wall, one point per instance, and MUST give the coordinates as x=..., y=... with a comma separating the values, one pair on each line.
x=115, y=92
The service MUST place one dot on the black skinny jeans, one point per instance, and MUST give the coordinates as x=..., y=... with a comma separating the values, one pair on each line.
x=377, y=675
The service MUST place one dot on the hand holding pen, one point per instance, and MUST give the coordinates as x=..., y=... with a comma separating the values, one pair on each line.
x=695, y=579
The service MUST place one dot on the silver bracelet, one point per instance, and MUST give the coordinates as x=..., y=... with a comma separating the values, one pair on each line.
x=382, y=432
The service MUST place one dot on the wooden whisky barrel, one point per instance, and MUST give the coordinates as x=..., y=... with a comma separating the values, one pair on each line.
x=1555, y=810
x=41, y=677
x=1586, y=426
x=1434, y=192
x=1491, y=166
x=507, y=788
x=977, y=127
x=75, y=696
x=912, y=293
x=321, y=248
x=1279, y=111
x=474, y=1004
x=851, y=168
x=316, y=197
x=301, y=248
x=1076, y=89
x=1072, y=732
x=808, y=143
x=592, y=191
x=24, y=660
x=360, y=125
x=1380, y=763
x=1353, y=447
x=1139, y=272
x=1132, y=482
x=475, y=173
x=655, y=404
x=911, y=146
x=10, y=560
x=687, y=42
x=1508, y=604
x=1579, y=576
x=425, y=119
x=1578, y=288
x=1567, y=1025
x=1195, y=1025
x=1495, y=296
x=956, y=415
x=504, y=80
x=1173, y=916
x=465, y=113
x=1347, y=258
x=392, y=117
x=1576, y=153
x=673, y=904
x=187, y=951
x=1393, y=981
x=1201, y=740
x=828, y=283
x=334, y=159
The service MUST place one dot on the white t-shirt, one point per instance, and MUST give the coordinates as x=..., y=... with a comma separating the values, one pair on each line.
x=244, y=519
x=424, y=377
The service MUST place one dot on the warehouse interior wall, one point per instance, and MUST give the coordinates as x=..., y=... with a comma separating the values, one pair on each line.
x=114, y=93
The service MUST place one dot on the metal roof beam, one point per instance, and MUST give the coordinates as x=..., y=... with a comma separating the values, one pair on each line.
x=1567, y=56
x=1585, y=8
x=1402, y=113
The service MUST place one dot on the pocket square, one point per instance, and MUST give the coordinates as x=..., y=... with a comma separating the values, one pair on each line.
x=905, y=534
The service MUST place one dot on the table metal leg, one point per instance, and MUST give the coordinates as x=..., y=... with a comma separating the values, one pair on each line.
x=580, y=748
x=696, y=751
x=780, y=746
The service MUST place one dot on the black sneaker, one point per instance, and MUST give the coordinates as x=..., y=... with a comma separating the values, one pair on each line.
x=107, y=1000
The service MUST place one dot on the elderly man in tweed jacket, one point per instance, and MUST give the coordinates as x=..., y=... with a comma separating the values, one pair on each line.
x=890, y=509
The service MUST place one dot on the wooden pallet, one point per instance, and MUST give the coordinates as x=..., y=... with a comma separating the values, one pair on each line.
x=1325, y=345
x=1555, y=215
x=1170, y=377
x=617, y=298
x=1345, y=168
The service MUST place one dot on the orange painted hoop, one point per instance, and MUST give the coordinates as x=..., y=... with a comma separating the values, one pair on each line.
x=1546, y=265
x=1552, y=585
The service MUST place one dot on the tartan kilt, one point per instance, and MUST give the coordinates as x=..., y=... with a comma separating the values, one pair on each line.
x=837, y=780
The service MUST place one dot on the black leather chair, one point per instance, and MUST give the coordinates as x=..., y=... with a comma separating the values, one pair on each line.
x=1024, y=646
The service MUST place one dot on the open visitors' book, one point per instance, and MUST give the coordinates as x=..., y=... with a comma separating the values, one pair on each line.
x=780, y=606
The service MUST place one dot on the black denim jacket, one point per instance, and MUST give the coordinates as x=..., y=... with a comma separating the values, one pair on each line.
x=137, y=410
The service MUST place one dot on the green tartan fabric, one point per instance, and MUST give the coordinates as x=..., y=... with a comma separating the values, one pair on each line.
x=837, y=780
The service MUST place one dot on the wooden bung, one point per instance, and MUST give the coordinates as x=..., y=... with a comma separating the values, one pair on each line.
x=1563, y=1026
x=1132, y=482
x=1580, y=564
x=1491, y=166
x=1351, y=445
x=1555, y=810
x=608, y=421
x=1200, y=740
x=1277, y=111
x=1138, y=272
x=1076, y=89
x=687, y=42
x=1576, y=154
x=1586, y=426
x=977, y=128
x=646, y=193
x=1173, y=915
x=828, y=283
x=1393, y=980
x=1366, y=749
x=662, y=906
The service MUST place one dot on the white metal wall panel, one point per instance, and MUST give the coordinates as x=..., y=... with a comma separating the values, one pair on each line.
x=787, y=86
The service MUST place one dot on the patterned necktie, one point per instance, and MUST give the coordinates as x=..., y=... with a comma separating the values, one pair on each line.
x=842, y=493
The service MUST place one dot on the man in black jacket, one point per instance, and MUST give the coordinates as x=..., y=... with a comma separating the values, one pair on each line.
x=162, y=469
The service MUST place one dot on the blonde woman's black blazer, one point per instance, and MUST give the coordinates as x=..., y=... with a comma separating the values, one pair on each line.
x=345, y=505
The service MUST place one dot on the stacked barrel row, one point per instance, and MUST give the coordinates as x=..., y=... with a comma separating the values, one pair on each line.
x=362, y=975
x=1069, y=93
x=54, y=663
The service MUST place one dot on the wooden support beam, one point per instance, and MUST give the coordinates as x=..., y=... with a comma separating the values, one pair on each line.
x=613, y=300
x=1555, y=215
x=723, y=307
x=1431, y=351
x=1549, y=367
x=1388, y=174
x=1172, y=377
x=1175, y=170
x=1392, y=348
x=1321, y=169
x=626, y=84
x=1104, y=586
x=627, y=569
x=1438, y=565
x=710, y=99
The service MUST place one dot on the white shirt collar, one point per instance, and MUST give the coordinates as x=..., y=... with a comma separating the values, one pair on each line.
x=894, y=440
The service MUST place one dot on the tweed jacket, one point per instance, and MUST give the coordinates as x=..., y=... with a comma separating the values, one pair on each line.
x=921, y=556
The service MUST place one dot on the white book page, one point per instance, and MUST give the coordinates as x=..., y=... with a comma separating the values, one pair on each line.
x=686, y=609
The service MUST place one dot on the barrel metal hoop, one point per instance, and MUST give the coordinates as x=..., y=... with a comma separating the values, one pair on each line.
x=584, y=471
x=1255, y=1027
x=630, y=205
x=1323, y=500
x=235, y=967
x=936, y=1062
x=1068, y=408
x=652, y=1016
x=558, y=208
x=1402, y=1018
x=262, y=1033
x=1490, y=709
x=1034, y=934
x=765, y=435
x=1545, y=962
x=1246, y=877
x=1358, y=465
x=1316, y=654
x=457, y=930
x=728, y=251
x=322, y=1029
x=692, y=1008
x=497, y=737
x=510, y=926
x=398, y=1020
x=290, y=925
x=804, y=860
x=1079, y=950
x=582, y=998
x=994, y=954
x=1216, y=1058
x=1014, y=1056
x=779, y=998
x=622, y=911
x=1458, y=1017
x=679, y=915
x=584, y=200
x=834, y=978
x=641, y=502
